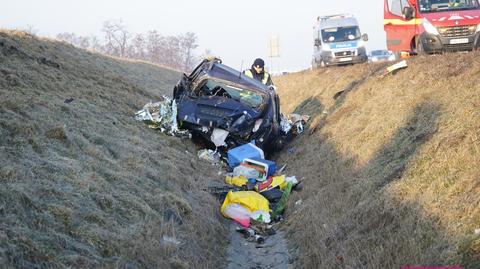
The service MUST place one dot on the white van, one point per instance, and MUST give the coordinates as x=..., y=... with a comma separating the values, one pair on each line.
x=338, y=40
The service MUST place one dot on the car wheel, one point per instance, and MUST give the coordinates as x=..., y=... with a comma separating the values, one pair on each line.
x=419, y=47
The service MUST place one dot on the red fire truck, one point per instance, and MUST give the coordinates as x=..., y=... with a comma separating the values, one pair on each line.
x=429, y=26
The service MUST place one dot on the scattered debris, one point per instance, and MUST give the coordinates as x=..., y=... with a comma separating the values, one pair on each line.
x=257, y=186
x=250, y=171
x=282, y=168
x=243, y=205
x=293, y=121
x=218, y=137
x=228, y=116
x=477, y=231
x=68, y=100
x=394, y=68
x=238, y=181
x=168, y=240
x=162, y=116
x=209, y=155
x=299, y=202
x=247, y=151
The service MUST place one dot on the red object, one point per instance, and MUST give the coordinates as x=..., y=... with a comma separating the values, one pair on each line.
x=244, y=222
x=265, y=185
x=456, y=27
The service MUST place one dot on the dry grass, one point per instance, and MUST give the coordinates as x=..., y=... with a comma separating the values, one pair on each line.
x=83, y=185
x=391, y=173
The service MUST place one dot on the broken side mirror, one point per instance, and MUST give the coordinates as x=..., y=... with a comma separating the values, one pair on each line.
x=318, y=43
x=365, y=37
x=408, y=13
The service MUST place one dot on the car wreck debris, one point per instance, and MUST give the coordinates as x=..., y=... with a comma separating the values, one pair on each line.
x=209, y=155
x=162, y=116
x=293, y=123
x=394, y=68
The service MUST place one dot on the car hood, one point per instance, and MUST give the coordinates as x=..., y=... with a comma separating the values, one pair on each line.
x=450, y=18
x=216, y=112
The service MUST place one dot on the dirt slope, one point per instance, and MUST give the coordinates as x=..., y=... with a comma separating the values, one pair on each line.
x=82, y=184
x=391, y=172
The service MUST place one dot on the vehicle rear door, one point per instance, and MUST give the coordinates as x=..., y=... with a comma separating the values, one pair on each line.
x=400, y=32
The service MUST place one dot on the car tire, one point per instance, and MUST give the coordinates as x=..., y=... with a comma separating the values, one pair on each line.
x=419, y=47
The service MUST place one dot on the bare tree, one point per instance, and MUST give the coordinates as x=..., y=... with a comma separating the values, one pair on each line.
x=78, y=41
x=174, y=51
x=30, y=29
x=137, y=48
x=95, y=44
x=171, y=52
x=154, y=44
x=188, y=42
x=117, y=37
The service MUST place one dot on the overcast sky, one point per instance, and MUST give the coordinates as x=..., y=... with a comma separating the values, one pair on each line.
x=235, y=31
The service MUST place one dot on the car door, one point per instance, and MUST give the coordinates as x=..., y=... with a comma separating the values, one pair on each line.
x=400, y=31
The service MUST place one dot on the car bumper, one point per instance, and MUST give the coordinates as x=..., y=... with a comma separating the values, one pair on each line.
x=434, y=43
x=329, y=59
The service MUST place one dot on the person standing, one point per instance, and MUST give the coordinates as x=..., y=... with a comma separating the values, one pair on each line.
x=257, y=72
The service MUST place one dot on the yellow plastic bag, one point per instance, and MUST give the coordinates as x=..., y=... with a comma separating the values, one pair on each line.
x=250, y=200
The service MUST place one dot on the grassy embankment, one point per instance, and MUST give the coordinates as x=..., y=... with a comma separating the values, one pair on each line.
x=391, y=171
x=84, y=185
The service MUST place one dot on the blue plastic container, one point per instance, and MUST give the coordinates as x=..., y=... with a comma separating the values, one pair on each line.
x=247, y=151
x=270, y=166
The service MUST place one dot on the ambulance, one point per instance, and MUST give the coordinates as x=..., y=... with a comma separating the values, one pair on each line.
x=432, y=26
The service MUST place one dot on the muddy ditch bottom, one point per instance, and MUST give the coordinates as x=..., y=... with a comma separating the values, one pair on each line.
x=244, y=254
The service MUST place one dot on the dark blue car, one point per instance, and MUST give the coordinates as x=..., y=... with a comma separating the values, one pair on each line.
x=216, y=97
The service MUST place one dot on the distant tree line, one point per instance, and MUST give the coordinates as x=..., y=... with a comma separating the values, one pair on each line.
x=173, y=51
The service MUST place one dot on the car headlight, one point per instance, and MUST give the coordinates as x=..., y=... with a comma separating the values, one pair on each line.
x=429, y=27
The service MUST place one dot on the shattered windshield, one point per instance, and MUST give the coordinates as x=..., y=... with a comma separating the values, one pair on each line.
x=216, y=88
x=341, y=34
x=430, y=6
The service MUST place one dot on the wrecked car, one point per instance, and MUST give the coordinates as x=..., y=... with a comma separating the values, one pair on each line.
x=228, y=108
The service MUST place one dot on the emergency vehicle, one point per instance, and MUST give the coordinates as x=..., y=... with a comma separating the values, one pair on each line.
x=338, y=40
x=430, y=26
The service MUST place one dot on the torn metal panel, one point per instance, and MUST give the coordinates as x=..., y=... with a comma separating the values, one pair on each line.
x=162, y=116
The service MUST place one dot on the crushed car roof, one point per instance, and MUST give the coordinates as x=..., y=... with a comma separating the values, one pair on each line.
x=221, y=71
